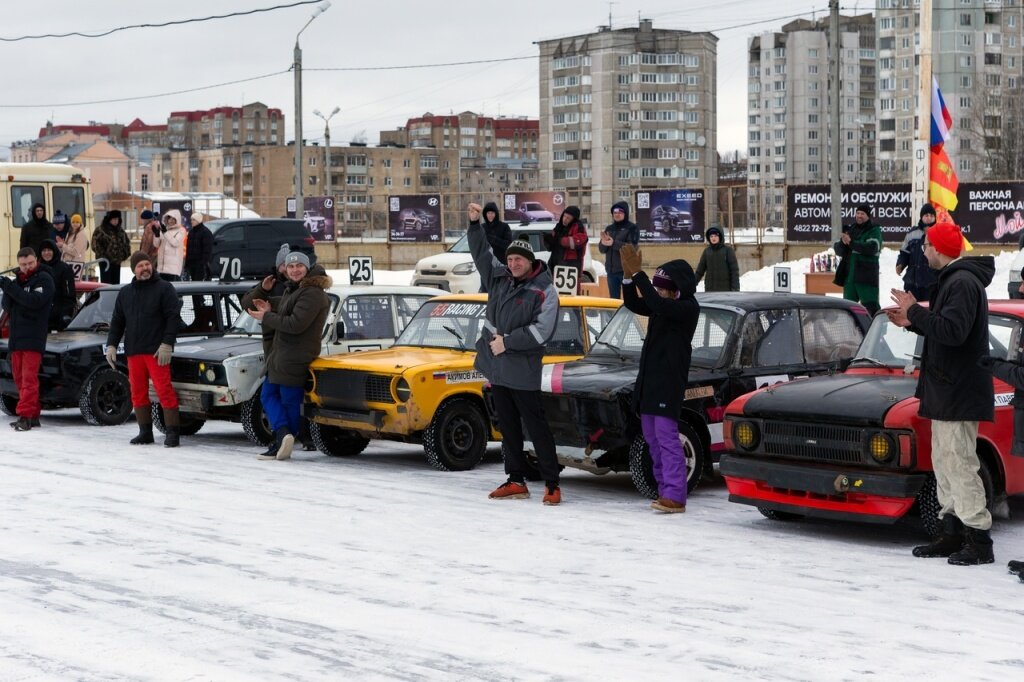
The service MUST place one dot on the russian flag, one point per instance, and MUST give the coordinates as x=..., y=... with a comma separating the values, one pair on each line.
x=942, y=122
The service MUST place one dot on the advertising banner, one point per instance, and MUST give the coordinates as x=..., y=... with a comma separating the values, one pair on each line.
x=318, y=216
x=670, y=215
x=809, y=210
x=533, y=207
x=991, y=211
x=414, y=218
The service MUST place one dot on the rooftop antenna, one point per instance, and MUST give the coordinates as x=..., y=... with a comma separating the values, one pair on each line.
x=610, y=15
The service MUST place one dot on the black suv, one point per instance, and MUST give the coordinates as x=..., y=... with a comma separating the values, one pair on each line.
x=246, y=248
x=74, y=371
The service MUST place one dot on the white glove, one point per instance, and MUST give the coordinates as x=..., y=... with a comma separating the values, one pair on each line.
x=163, y=354
x=112, y=356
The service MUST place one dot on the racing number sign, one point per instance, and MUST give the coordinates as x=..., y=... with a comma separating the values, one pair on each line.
x=782, y=280
x=360, y=270
x=567, y=279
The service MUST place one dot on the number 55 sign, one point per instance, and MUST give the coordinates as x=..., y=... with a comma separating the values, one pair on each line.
x=566, y=279
x=360, y=270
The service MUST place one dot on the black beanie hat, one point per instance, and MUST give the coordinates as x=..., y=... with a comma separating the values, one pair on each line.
x=521, y=247
x=864, y=207
x=927, y=209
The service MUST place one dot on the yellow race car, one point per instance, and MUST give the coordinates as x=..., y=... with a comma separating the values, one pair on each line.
x=424, y=388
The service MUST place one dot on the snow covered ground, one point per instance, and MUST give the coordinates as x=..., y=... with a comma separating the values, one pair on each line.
x=202, y=563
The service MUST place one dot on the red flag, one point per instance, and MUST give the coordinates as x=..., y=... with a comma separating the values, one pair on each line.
x=942, y=182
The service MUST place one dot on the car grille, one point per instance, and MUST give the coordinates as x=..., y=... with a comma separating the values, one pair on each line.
x=435, y=273
x=814, y=442
x=185, y=371
x=349, y=389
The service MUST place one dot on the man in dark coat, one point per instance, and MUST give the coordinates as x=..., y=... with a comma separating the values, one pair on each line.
x=668, y=299
x=498, y=233
x=35, y=230
x=111, y=242
x=620, y=232
x=27, y=299
x=718, y=262
x=918, y=278
x=859, y=247
x=298, y=323
x=200, y=250
x=522, y=312
x=63, y=308
x=146, y=315
x=568, y=242
x=954, y=394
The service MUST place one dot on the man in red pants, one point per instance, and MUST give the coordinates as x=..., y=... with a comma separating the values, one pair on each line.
x=146, y=315
x=27, y=299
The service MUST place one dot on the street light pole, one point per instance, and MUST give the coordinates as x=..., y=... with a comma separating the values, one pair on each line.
x=327, y=146
x=297, y=67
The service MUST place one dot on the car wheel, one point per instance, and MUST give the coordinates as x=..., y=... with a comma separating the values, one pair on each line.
x=190, y=423
x=928, y=506
x=456, y=438
x=106, y=399
x=255, y=422
x=776, y=515
x=9, y=405
x=336, y=441
x=642, y=471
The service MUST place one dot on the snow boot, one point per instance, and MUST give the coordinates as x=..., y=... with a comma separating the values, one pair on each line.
x=172, y=424
x=144, y=418
x=282, y=446
x=1016, y=567
x=552, y=495
x=667, y=506
x=23, y=424
x=510, y=490
x=977, y=549
x=950, y=540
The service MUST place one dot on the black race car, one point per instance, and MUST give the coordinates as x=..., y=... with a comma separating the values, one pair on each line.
x=74, y=370
x=743, y=341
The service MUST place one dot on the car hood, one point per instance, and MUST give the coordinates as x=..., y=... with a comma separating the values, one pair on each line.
x=63, y=342
x=218, y=349
x=398, y=360
x=844, y=398
x=444, y=261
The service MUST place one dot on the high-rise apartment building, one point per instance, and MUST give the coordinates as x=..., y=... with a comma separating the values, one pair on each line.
x=978, y=59
x=624, y=109
x=254, y=123
x=789, y=105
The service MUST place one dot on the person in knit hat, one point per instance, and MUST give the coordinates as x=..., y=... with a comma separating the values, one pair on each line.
x=75, y=244
x=620, y=232
x=110, y=241
x=918, y=278
x=952, y=392
x=718, y=262
x=568, y=242
x=858, y=248
x=668, y=300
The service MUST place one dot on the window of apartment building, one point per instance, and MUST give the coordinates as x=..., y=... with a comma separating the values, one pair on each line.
x=993, y=80
x=624, y=79
x=246, y=159
x=966, y=39
x=812, y=168
x=887, y=23
x=965, y=19
x=965, y=165
x=755, y=168
x=688, y=116
x=993, y=58
x=755, y=136
x=780, y=102
x=812, y=52
x=622, y=116
x=668, y=153
x=780, y=69
x=993, y=122
x=407, y=182
x=144, y=182
x=886, y=83
x=887, y=145
x=692, y=80
x=966, y=81
x=812, y=69
x=690, y=173
x=888, y=104
x=887, y=43
x=780, y=150
x=965, y=102
x=813, y=102
x=628, y=59
x=812, y=151
x=406, y=163
x=694, y=155
x=779, y=166
x=812, y=118
x=993, y=39
x=965, y=144
x=428, y=162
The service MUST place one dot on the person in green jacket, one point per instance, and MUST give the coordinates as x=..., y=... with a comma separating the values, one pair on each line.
x=859, y=248
x=718, y=262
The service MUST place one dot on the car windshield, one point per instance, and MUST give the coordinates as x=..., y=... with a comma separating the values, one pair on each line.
x=445, y=324
x=245, y=324
x=461, y=246
x=96, y=312
x=624, y=336
x=889, y=345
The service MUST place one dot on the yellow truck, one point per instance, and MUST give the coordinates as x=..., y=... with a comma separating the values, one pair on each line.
x=424, y=388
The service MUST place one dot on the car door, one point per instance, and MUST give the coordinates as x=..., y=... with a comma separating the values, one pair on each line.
x=229, y=252
x=261, y=248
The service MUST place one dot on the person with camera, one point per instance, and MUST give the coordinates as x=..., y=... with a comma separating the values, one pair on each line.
x=169, y=239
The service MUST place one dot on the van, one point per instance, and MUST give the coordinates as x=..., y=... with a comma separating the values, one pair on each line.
x=55, y=186
x=246, y=248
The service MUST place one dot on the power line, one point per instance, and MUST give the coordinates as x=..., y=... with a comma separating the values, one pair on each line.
x=176, y=22
x=420, y=66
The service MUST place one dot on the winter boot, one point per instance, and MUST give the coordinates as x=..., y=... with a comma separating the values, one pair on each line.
x=271, y=452
x=23, y=424
x=1016, y=567
x=950, y=540
x=305, y=437
x=284, y=450
x=552, y=495
x=510, y=490
x=144, y=417
x=977, y=549
x=172, y=424
x=667, y=506
x=34, y=423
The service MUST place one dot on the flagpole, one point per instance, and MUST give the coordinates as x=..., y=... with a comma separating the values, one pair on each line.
x=919, y=182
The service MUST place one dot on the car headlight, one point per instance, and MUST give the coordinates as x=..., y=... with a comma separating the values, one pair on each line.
x=464, y=268
x=402, y=390
x=209, y=372
x=881, y=447
x=746, y=435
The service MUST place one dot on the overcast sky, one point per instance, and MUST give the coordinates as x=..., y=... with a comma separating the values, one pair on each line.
x=46, y=73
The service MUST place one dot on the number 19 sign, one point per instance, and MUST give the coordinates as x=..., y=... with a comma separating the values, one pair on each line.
x=782, y=280
x=360, y=270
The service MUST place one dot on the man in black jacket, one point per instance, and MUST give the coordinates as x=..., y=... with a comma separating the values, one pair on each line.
x=953, y=393
x=498, y=233
x=36, y=229
x=27, y=299
x=146, y=314
x=718, y=262
x=620, y=232
x=200, y=250
x=64, y=282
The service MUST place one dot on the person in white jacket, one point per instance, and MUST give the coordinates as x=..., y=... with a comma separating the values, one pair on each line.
x=74, y=244
x=170, y=239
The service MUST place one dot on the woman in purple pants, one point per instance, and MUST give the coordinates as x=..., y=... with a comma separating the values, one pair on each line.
x=668, y=299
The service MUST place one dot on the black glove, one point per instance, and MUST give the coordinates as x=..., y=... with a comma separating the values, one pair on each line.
x=987, y=362
x=163, y=228
x=156, y=229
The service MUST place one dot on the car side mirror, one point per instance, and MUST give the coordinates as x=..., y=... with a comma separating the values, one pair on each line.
x=339, y=330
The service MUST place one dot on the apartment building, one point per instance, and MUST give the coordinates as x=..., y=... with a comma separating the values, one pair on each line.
x=789, y=105
x=978, y=58
x=624, y=109
x=251, y=124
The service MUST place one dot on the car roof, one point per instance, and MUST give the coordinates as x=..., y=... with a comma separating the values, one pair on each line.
x=198, y=287
x=344, y=290
x=570, y=301
x=766, y=300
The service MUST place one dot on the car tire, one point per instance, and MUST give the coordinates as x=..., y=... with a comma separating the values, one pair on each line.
x=9, y=405
x=928, y=506
x=190, y=423
x=456, y=438
x=776, y=515
x=255, y=423
x=106, y=399
x=642, y=471
x=335, y=441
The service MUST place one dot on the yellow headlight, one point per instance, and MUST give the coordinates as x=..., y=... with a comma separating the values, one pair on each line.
x=880, y=447
x=745, y=434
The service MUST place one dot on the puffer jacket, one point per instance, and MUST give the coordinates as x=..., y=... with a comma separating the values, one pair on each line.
x=918, y=278
x=111, y=242
x=28, y=300
x=146, y=314
x=75, y=246
x=955, y=330
x=298, y=326
x=567, y=244
x=524, y=311
x=171, y=254
x=665, y=358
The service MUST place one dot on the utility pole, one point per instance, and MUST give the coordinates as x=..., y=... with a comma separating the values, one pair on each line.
x=919, y=180
x=835, y=136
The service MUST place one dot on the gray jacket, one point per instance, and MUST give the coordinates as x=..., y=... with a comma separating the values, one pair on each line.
x=524, y=311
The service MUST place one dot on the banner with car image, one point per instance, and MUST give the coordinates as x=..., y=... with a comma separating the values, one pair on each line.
x=670, y=215
x=318, y=216
x=414, y=218
x=533, y=207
